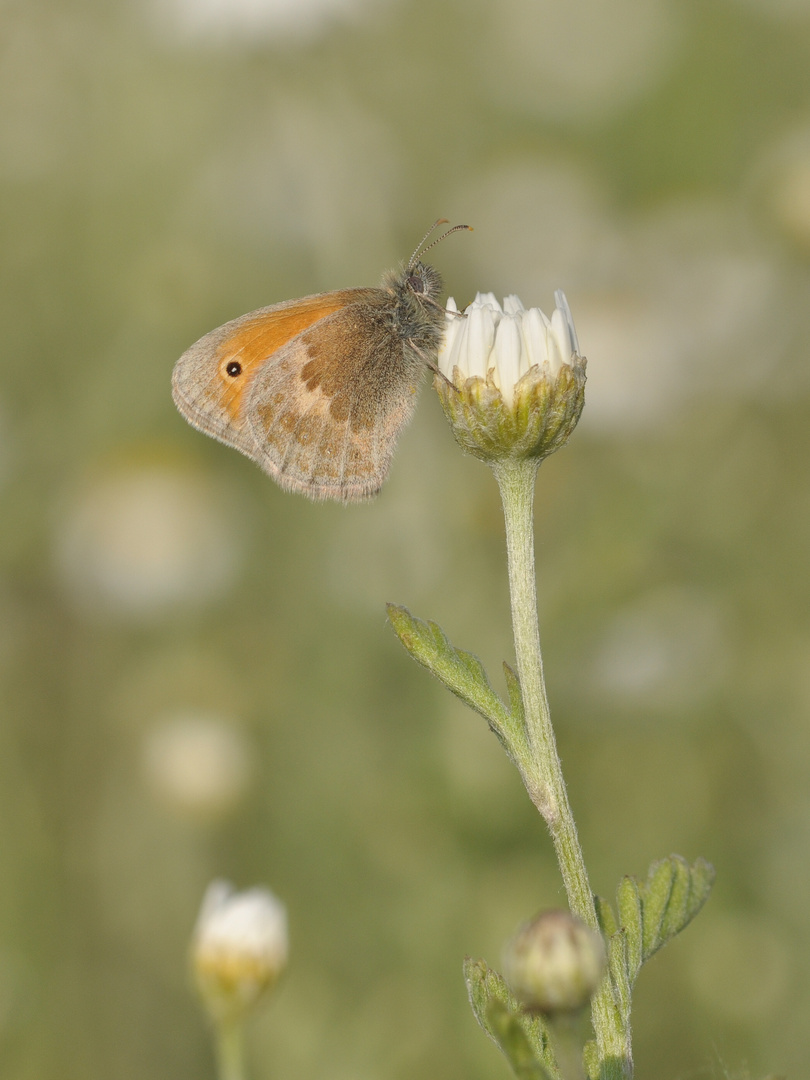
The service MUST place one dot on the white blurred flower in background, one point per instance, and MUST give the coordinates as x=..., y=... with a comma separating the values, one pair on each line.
x=140, y=541
x=239, y=947
x=243, y=22
x=197, y=764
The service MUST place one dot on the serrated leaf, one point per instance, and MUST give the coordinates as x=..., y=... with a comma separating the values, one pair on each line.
x=515, y=695
x=511, y=1038
x=653, y=912
x=688, y=890
x=629, y=904
x=523, y=1039
x=620, y=972
x=591, y=1060
x=605, y=916
x=701, y=880
x=655, y=893
x=598, y=1068
x=460, y=672
x=675, y=913
x=618, y=965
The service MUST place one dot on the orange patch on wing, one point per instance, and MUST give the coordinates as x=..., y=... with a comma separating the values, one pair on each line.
x=255, y=340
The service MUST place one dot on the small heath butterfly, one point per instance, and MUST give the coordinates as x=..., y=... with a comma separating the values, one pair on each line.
x=317, y=390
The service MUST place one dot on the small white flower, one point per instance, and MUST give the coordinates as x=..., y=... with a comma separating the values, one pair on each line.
x=513, y=382
x=239, y=948
x=507, y=341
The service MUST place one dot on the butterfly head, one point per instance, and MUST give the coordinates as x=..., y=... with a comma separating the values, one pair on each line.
x=416, y=312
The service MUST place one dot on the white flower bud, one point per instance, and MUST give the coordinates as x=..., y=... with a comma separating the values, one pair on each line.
x=514, y=381
x=239, y=947
x=554, y=963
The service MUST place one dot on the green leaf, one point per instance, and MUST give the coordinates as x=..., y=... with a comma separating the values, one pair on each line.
x=652, y=912
x=675, y=915
x=701, y=879
x=620, y=976
x=656, y=893
x=591, y=1059
x=462, y=673
x=628, y=902
x=523, y=1039
x=673, y=894
x=515, y=696
x=605, y=916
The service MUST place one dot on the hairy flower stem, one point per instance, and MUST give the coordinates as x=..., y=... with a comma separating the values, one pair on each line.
x=230, y=1045
x=540, y=763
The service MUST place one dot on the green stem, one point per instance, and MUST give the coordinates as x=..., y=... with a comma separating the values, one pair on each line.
x=230, y=1045
x=540, y=765
x=566, y=1035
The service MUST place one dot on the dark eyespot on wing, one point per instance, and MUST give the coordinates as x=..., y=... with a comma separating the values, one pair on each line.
x=211, y=379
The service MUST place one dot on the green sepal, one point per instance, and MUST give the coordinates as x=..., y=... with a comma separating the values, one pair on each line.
x=523, y=1039
x=462, y=673
x=539, y=418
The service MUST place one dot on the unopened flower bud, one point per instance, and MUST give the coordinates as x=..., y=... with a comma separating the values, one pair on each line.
x=514, y=382
x=554, y=963
x=239, y=948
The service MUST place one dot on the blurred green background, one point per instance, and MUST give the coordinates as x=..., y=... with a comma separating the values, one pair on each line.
x=197, y=675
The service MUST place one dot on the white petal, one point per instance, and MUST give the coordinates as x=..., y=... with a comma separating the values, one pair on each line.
x=507, y=355
x=486, y=300
x=477, y=342
x=215, y=898
x=452, y=329
x=561, y=336
x=451, y=357
x=535, y=336
x=252, y=923
x=512, y=304
x=562, y=305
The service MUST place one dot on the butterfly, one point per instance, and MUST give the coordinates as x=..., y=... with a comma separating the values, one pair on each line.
x=317, y=390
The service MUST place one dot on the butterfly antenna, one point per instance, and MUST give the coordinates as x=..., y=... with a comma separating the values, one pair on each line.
x=421, y=249
x=419, y=246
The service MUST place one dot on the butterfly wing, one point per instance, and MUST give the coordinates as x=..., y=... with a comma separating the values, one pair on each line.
x=211, y=399
x=326, y=413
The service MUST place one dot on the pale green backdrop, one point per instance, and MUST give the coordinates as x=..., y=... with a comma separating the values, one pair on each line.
x=196, y=675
